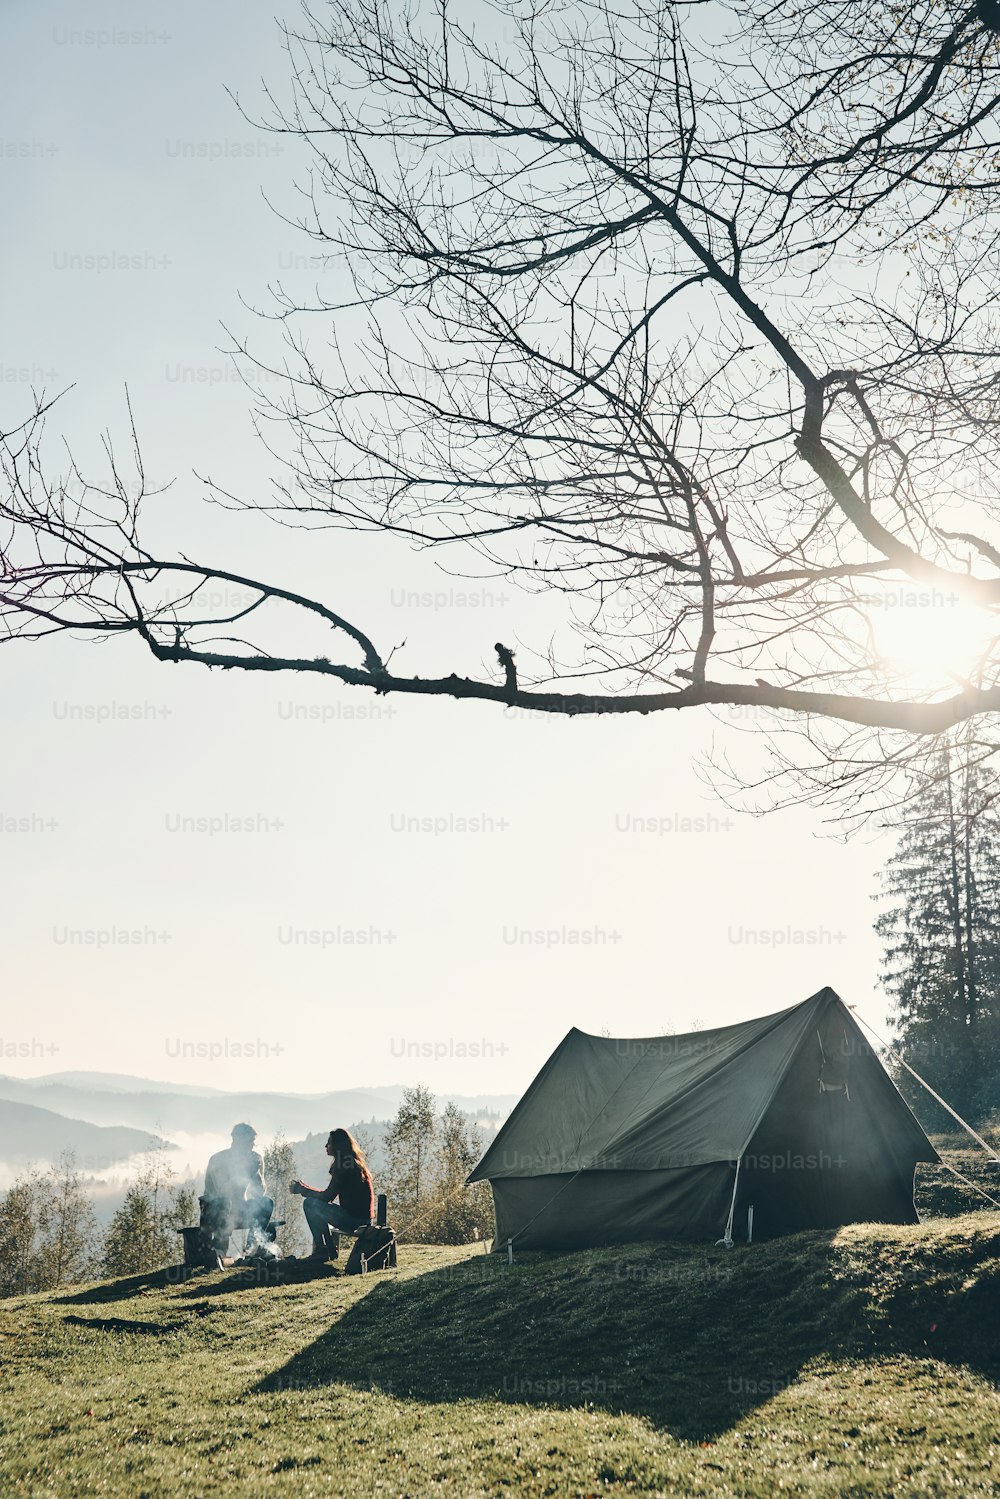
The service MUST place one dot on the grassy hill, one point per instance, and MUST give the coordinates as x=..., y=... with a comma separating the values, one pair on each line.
x=938, y=1193
x=849, y=1363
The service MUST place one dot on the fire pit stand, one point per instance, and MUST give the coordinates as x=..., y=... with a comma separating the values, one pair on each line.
x=198, y=1252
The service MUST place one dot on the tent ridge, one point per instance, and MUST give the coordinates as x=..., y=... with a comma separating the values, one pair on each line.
x=739, y=1055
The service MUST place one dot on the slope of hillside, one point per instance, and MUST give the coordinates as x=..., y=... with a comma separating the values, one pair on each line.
x=858, y=1362
x=29, y=1133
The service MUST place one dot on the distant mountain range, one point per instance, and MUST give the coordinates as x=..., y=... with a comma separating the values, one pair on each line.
x=114, y=1082
x=142, y=1104
x=108, y=1119
x=29, y=1133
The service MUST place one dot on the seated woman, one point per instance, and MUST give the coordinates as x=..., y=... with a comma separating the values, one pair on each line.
x=346, y=1204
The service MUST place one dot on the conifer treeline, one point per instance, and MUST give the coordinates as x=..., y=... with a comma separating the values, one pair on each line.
x=940, y=926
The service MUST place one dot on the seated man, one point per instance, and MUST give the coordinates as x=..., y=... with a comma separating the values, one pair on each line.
x=346, y=1204
x=234, y=1191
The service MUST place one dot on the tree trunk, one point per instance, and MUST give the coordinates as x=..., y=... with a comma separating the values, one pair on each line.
x=971, y=913
x=955, y=901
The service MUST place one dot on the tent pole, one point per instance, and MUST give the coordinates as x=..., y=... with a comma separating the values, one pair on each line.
x=727, y=1238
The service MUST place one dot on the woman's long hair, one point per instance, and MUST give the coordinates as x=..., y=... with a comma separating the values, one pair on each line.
x=347, y=1154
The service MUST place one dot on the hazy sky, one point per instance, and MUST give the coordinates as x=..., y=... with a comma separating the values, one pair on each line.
x=336, y=943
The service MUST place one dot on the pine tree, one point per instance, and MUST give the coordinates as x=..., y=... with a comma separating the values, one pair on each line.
x=142, y=1235
x=128, y=1243
x=941, y=930
x=409, y=1149
x=184, y=1207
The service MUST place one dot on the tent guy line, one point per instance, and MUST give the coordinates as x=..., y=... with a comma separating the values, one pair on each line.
x=924, y=1084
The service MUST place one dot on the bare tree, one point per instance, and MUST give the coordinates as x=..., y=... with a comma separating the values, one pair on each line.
x=460, y=1214
x=686, y=311
x=280, y=1171
x=22, y=1270
x=410, y=1143
x=48, y=1230
x=67, y=1224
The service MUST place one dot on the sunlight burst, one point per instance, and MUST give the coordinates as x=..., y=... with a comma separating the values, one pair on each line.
x=930, y=637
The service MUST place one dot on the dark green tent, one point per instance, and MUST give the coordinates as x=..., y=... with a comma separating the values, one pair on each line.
x=677, y=1137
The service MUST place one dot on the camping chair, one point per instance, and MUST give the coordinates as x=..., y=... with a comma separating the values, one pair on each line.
x=200, y=1251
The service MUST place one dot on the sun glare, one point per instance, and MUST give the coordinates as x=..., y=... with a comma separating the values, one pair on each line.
x=931, y=638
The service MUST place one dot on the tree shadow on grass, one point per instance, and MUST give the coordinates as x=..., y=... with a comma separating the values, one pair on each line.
x=199, y=1282
x=693, y=1340
x=115, y=1290
x=121, y=1324
x=250, y=1277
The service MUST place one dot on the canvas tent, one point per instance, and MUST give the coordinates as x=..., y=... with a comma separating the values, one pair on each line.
x=676, y=1137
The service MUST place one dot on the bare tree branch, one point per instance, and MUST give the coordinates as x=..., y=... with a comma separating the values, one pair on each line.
x=694, y=324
